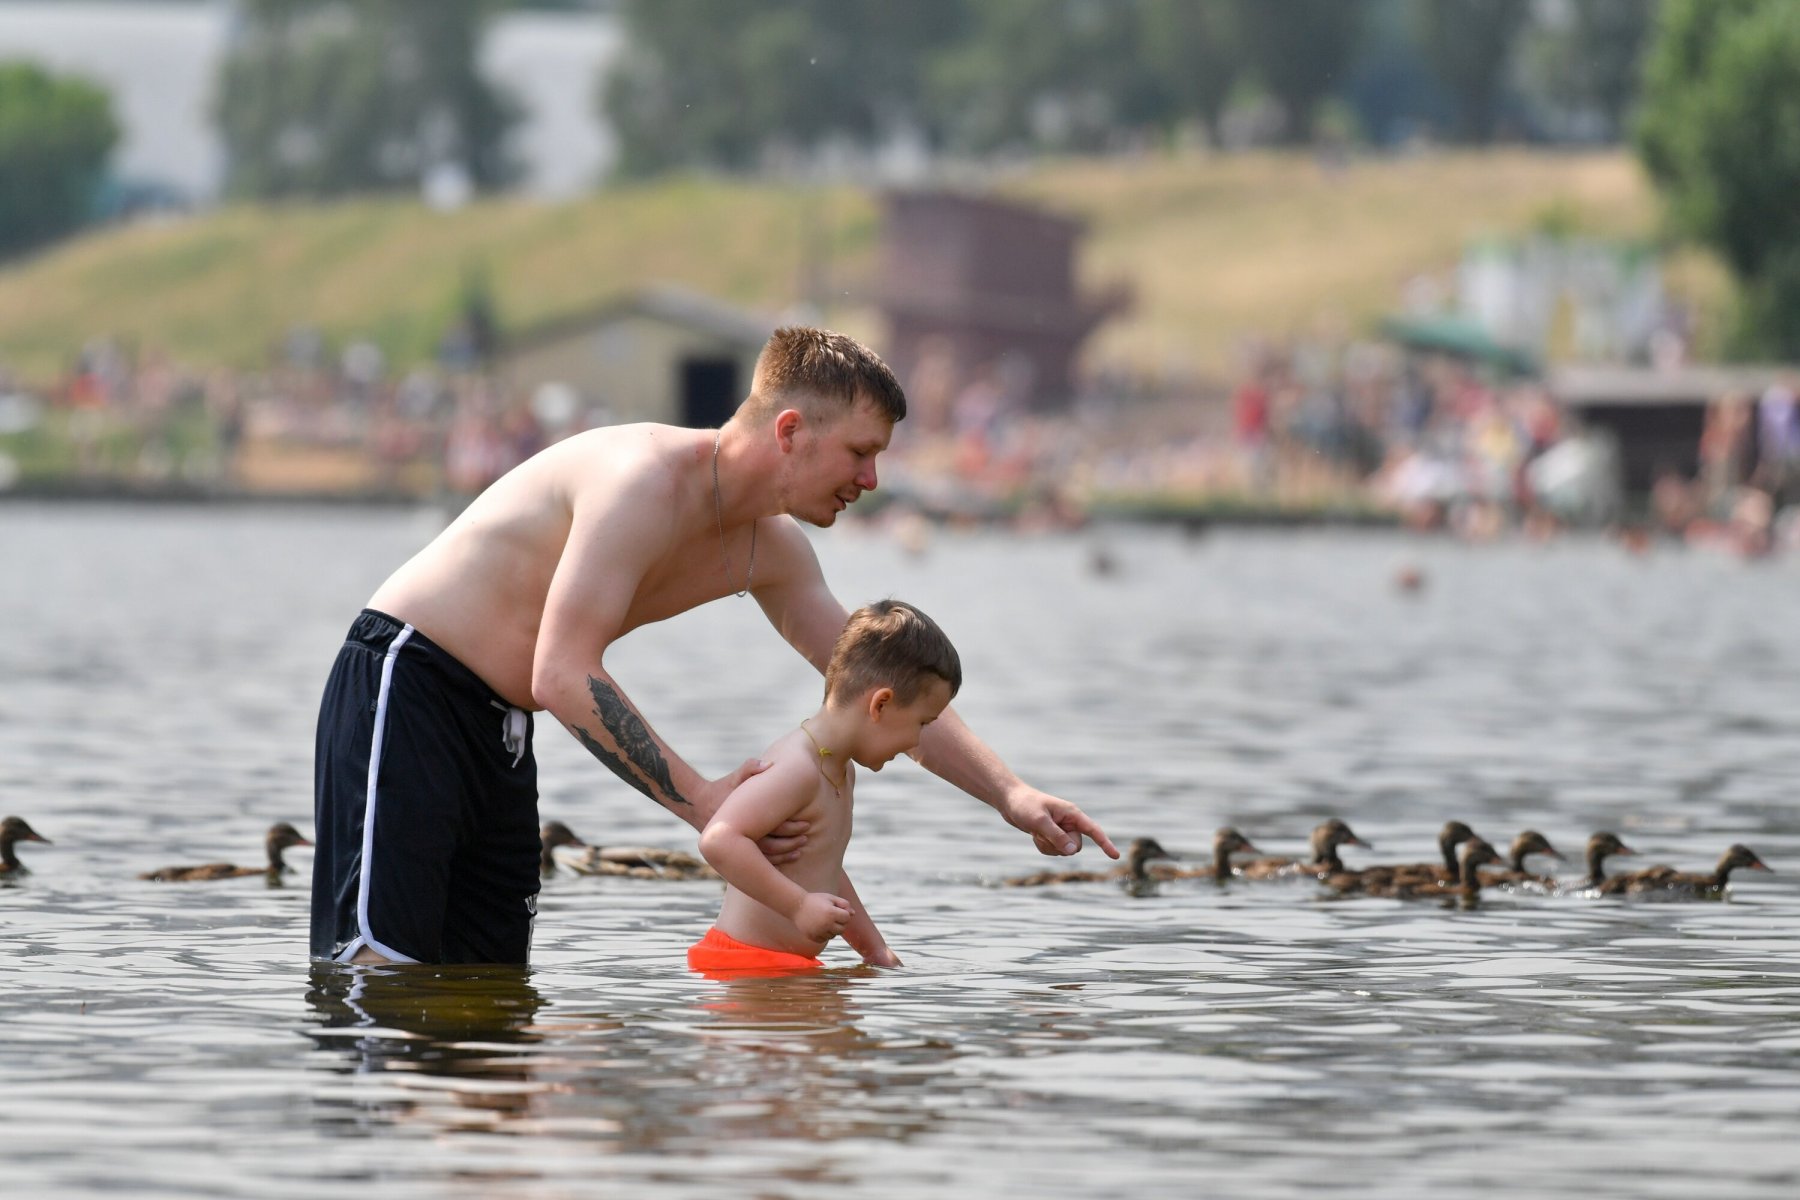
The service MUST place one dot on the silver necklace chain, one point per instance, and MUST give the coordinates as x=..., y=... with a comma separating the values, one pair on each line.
x=719, y=516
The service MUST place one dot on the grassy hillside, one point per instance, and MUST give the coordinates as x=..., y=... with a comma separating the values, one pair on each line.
x=1216, y=248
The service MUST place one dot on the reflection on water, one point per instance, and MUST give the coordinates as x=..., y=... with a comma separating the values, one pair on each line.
x=1246, y=1039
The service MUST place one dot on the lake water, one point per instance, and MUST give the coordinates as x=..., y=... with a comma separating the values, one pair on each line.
x=159, y=672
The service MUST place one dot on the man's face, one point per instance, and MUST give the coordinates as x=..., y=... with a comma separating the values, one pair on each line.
x=834, y=463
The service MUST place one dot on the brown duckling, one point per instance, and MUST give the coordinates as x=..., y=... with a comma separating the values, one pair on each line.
x=1325, y=840
x=1600, y=847
x=1452, y=835
x=1226, y=842
x=1696, y=884
x=1526, y=844
x=1136, y=869
x=281, y=836
x=636, y=862
x=1476, y=853
x=12, y=831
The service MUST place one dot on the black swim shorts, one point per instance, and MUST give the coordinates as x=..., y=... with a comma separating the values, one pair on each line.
x=425, y=795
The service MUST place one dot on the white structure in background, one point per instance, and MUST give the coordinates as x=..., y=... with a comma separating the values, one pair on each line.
x=1598, y=301
x=159, y=62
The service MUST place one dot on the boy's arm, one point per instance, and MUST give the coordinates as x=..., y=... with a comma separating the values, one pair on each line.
x=802, y=609
x=757, y=806
x=861, y=933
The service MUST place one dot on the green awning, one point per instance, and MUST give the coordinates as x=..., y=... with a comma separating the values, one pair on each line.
x=1459, y=337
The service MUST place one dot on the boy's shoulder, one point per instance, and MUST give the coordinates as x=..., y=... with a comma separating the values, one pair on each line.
x=790, y=760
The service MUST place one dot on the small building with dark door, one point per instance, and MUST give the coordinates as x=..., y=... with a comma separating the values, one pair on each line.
x=1656, y=414
x=662, y=354
x=984, y=282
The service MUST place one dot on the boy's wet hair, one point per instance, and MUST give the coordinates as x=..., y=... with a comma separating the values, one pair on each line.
x=804, y=366
x=891, y=644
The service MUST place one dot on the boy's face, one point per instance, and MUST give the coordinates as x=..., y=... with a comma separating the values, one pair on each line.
x=893, y=728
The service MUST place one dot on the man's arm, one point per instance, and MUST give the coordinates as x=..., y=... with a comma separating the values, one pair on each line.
x=804, y=611
x=612, y=540
x=751, y=812
x=860, y=933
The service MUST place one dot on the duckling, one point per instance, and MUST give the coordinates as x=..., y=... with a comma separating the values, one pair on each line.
x=1696, y=884
x=1226, y=842
x=1527, y=843
x=1452, y=835
x=1135, y=870
x=280, y=837
x=1600, y=847
x=635, y=862
x=1476, y=853
x=1325, y=840
x=12, y=830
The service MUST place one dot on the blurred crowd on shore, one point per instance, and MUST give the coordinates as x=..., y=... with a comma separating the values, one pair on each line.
x=1320, y=427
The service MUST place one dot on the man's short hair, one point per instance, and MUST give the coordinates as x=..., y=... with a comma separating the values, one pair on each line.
x=891, y=644
x=800, y=366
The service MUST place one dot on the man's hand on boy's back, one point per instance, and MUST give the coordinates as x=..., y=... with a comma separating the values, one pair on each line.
x=822, y=916
x=1056, y=825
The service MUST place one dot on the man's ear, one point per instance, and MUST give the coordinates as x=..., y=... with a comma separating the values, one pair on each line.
x=787, y=424
x=879, y=699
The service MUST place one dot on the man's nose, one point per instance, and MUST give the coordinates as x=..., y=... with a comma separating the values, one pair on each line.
x=865, y=479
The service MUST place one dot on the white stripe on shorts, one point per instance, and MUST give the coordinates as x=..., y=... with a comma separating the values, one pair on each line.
x=365, y=938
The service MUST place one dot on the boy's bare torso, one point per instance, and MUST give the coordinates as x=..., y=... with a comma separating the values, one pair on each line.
x=818, y=869
x=478, y=589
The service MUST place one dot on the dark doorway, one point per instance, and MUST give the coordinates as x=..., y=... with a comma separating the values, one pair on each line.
x=709, y=391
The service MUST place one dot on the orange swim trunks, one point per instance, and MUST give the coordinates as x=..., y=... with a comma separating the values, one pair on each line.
x=719, y=956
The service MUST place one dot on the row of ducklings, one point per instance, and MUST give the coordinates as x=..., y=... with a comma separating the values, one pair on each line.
x=1459, y=873
x=560, y=847
x=280, y=838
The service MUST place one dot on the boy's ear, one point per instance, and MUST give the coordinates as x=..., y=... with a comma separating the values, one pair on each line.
x=879, y=699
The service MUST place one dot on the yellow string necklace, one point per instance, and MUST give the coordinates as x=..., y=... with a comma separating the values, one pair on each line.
x=824, y=753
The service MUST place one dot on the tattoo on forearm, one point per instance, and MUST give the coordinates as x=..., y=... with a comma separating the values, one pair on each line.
x=638, y=762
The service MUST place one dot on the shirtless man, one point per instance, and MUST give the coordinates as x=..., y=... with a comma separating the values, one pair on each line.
x=425, y=785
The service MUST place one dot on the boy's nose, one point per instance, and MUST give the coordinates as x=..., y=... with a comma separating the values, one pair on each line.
x=865, y=479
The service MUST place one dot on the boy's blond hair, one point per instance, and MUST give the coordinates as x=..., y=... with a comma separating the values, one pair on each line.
x=801, y=367
x=891, y=644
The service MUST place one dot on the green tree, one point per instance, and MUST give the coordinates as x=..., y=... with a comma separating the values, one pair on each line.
x=721, y=83
x=1192, y=48
x=1301, y=51
x=1720, y=132
x=55, y=135
x=1593, y=60
x=332, y=97
x=1470, y=44
x=1067, y=74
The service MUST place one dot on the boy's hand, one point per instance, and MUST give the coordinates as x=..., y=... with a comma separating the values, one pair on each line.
x=883, y=957
x=822, y=916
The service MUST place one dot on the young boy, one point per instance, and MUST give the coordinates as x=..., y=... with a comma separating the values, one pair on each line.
x=891, y=673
